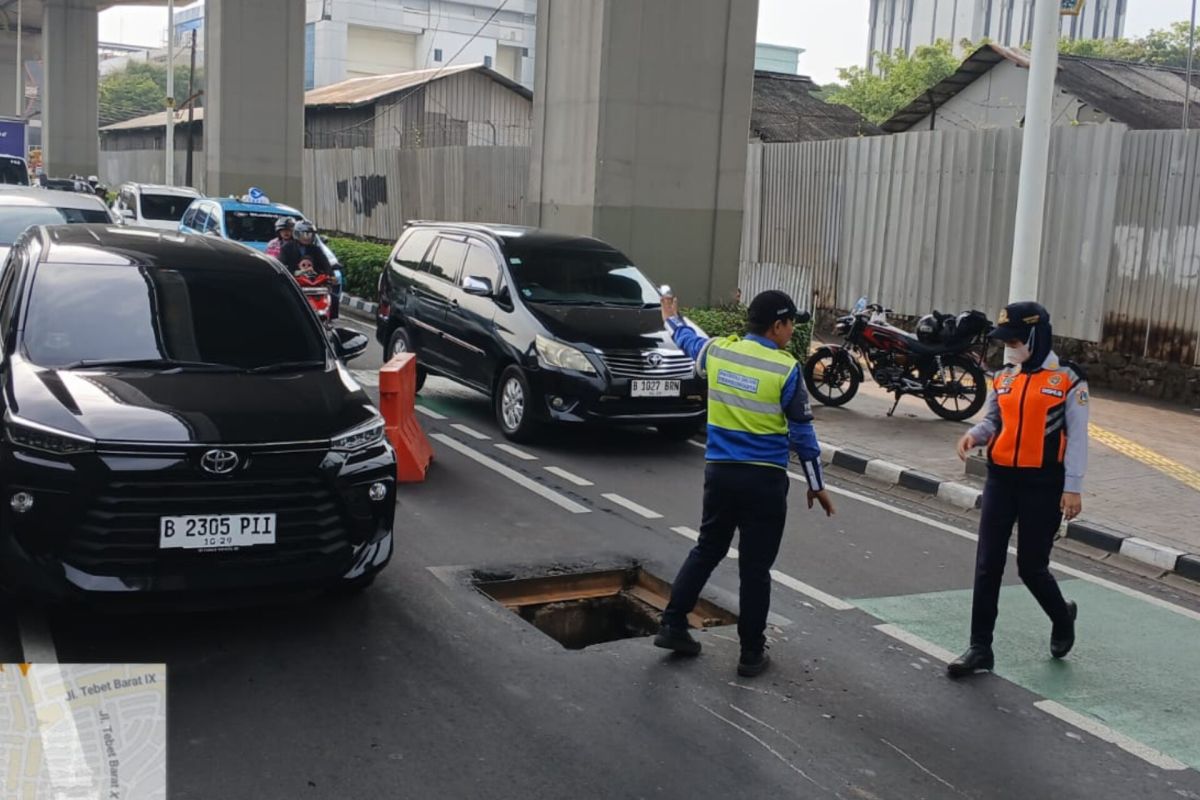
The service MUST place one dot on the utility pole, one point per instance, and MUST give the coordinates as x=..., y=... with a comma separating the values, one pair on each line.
x=1187, y=96
x=20, y=69
x=1035, y=153
x=191, y=132
x=169, y=144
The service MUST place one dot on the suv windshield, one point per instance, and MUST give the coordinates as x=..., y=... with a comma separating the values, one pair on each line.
x=164, y=206
x=15, y=219
x=252, y=226
x=243, y=319
x=574, y=276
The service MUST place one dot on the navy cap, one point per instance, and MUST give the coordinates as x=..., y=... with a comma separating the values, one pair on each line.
x=1018, y=319
x=770, y=307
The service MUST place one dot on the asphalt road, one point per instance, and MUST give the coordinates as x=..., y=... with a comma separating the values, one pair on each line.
x=422, y=687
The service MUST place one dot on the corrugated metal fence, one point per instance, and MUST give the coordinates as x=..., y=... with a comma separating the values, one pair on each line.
x=925, y=220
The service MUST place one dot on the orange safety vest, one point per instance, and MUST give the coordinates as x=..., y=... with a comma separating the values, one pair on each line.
x=1033, y=417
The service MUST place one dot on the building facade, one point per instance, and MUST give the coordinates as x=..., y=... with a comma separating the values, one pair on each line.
x=777, y=58
x=908, y=24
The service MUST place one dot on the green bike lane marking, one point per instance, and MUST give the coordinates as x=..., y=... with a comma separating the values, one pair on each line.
x=1133, y=667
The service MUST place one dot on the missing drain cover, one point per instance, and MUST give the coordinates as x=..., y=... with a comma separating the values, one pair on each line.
x=586, y=608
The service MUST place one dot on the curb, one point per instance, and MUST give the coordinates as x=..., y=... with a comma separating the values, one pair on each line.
x=967, y=498
x=353, y=303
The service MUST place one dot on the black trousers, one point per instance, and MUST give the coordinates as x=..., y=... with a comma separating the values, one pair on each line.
x=750, y=499
x=1034, y=507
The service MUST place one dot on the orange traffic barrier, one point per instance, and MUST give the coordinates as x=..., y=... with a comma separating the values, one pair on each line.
x=398, y=402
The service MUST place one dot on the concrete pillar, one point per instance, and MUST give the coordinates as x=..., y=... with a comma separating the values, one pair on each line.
x=254, y=97
x=641, y=122
x=70, y=116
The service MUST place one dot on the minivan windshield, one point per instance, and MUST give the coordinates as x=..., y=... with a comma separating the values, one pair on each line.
x=577, y=276
x=87, y=314
x=15, y=219
x=14, y=171
x=164, y=207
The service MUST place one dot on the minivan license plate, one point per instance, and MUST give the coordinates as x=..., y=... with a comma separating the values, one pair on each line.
x=654, y=388
x=201, y=532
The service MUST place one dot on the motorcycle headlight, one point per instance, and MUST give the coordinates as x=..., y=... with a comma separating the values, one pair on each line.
x=46, y=439
x=562, y=356
x=357, y=438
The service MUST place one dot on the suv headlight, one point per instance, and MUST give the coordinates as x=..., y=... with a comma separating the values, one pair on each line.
x=562, y=356
x=46, y=439
x=359, y=437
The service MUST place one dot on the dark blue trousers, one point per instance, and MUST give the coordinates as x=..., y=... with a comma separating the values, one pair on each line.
x=749, y=499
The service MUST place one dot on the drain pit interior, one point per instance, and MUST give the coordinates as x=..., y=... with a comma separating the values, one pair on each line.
x=585, y=608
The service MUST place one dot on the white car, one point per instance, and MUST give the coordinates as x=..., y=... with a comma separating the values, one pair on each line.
x=153, y=206
x=24, y=206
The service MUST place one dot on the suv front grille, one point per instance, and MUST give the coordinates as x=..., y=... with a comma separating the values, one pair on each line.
x=648, y=364
x=118, y=533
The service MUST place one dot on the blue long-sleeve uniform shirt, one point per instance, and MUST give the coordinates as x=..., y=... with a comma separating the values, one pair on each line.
x=740, y=447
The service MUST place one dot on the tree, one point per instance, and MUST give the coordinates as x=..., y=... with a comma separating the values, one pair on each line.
x=139, y=89
x=897, y=80
x=1166, y=48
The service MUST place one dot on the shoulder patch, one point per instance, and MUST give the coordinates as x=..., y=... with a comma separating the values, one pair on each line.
x=1081, y=397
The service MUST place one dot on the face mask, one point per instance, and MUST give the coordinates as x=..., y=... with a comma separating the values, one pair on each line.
x=1017, y=355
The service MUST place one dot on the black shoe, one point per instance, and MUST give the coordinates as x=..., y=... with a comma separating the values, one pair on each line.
x=753, y=663
x=1062, y=637
x=677, y=639
x=978, y=658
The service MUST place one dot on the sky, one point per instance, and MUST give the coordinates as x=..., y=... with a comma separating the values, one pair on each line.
x=833, y=33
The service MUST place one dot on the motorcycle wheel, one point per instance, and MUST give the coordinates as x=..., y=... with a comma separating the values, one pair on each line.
x=958, y=389
x=830, y=378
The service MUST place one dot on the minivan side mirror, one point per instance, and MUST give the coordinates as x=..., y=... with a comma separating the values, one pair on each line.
x=349, y=343
x=127, y=215
x=479, y=287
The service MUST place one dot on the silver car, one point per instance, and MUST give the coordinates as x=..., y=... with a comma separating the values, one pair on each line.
x=23, y=206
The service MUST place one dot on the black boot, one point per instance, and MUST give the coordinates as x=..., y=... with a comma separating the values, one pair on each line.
x=1062, y=637
x=978, y=658
x=753, y=663
x=677, y=639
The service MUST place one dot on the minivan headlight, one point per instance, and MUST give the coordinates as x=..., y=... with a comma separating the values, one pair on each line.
x=46, y=439
x=358, y=437
x=562, y=356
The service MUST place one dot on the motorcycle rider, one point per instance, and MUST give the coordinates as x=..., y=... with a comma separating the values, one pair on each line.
x=303, y=244
x=283, y=234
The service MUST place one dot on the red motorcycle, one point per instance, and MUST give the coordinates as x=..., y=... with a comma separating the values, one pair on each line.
x=317, y=290
x=943, y=363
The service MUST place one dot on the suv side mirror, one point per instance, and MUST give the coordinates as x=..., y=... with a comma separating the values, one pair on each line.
x=479, y=287
x=349, y=343
x=127, y=215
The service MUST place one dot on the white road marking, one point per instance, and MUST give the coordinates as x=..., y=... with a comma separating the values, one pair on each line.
x=916, y=642
x=837, y=604
x=512, y=451
x=695, y=537
x=429, y=412
x=474, y=434
x=1102, y=731
x=570, y=477
x=366, y=377
x=37, y=642
x=694, y=443
x=625, y=502
x=559, y=500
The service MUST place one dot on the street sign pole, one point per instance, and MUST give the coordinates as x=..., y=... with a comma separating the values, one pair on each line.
x=1035, y=151
x=169, y=143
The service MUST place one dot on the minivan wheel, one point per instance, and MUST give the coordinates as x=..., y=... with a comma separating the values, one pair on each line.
x=399, y=344
x=513, y=404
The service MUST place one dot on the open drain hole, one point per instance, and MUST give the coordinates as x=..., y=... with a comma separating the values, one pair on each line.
x=585, y=608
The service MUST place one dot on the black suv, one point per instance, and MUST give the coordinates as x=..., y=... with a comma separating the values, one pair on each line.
x=177, y=422
x=554, y=328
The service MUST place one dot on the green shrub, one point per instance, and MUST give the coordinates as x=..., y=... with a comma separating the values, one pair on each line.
x=731, y=321
x=362, y=264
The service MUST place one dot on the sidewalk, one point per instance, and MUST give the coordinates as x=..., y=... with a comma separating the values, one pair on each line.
x=1143, y=477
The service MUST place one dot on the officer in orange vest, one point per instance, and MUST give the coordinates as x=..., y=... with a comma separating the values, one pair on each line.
x=1036, y=432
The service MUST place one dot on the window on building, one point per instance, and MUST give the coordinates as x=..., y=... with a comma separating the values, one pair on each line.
x=437, y=54
x=487, y=61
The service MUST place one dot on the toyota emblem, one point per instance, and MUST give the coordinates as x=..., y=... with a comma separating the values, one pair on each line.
x=219, y=462
x=655, y=360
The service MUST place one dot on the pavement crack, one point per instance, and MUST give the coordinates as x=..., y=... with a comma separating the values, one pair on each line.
x=922, y=767
x=768, y=747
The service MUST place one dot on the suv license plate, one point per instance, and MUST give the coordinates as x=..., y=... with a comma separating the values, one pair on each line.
x=650, y=388
x=202, y=532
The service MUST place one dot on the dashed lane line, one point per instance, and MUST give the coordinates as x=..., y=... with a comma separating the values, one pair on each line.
x=625, y=502
x=560, y=500
x=917, y=643
x=813, y=592
x=569, y=477
x=429, y=412
x=513, y=451
x=1105, y=733
x=469, y=431
x=695, y=537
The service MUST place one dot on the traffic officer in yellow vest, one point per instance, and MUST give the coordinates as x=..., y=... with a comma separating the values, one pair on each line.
x=1036, y=433
x=757, y=405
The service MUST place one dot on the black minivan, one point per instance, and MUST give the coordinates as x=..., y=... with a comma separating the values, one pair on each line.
x=177, y=423
x=554, y=328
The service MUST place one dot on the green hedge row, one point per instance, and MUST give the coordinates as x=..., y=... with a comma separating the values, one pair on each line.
x=731, y=321
x=362, y=264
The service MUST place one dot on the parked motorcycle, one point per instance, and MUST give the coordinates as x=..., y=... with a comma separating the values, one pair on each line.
x=943, y=363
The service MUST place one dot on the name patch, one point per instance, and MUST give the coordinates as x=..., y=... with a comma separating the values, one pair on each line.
x=1053, y=392
x=742, y=382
